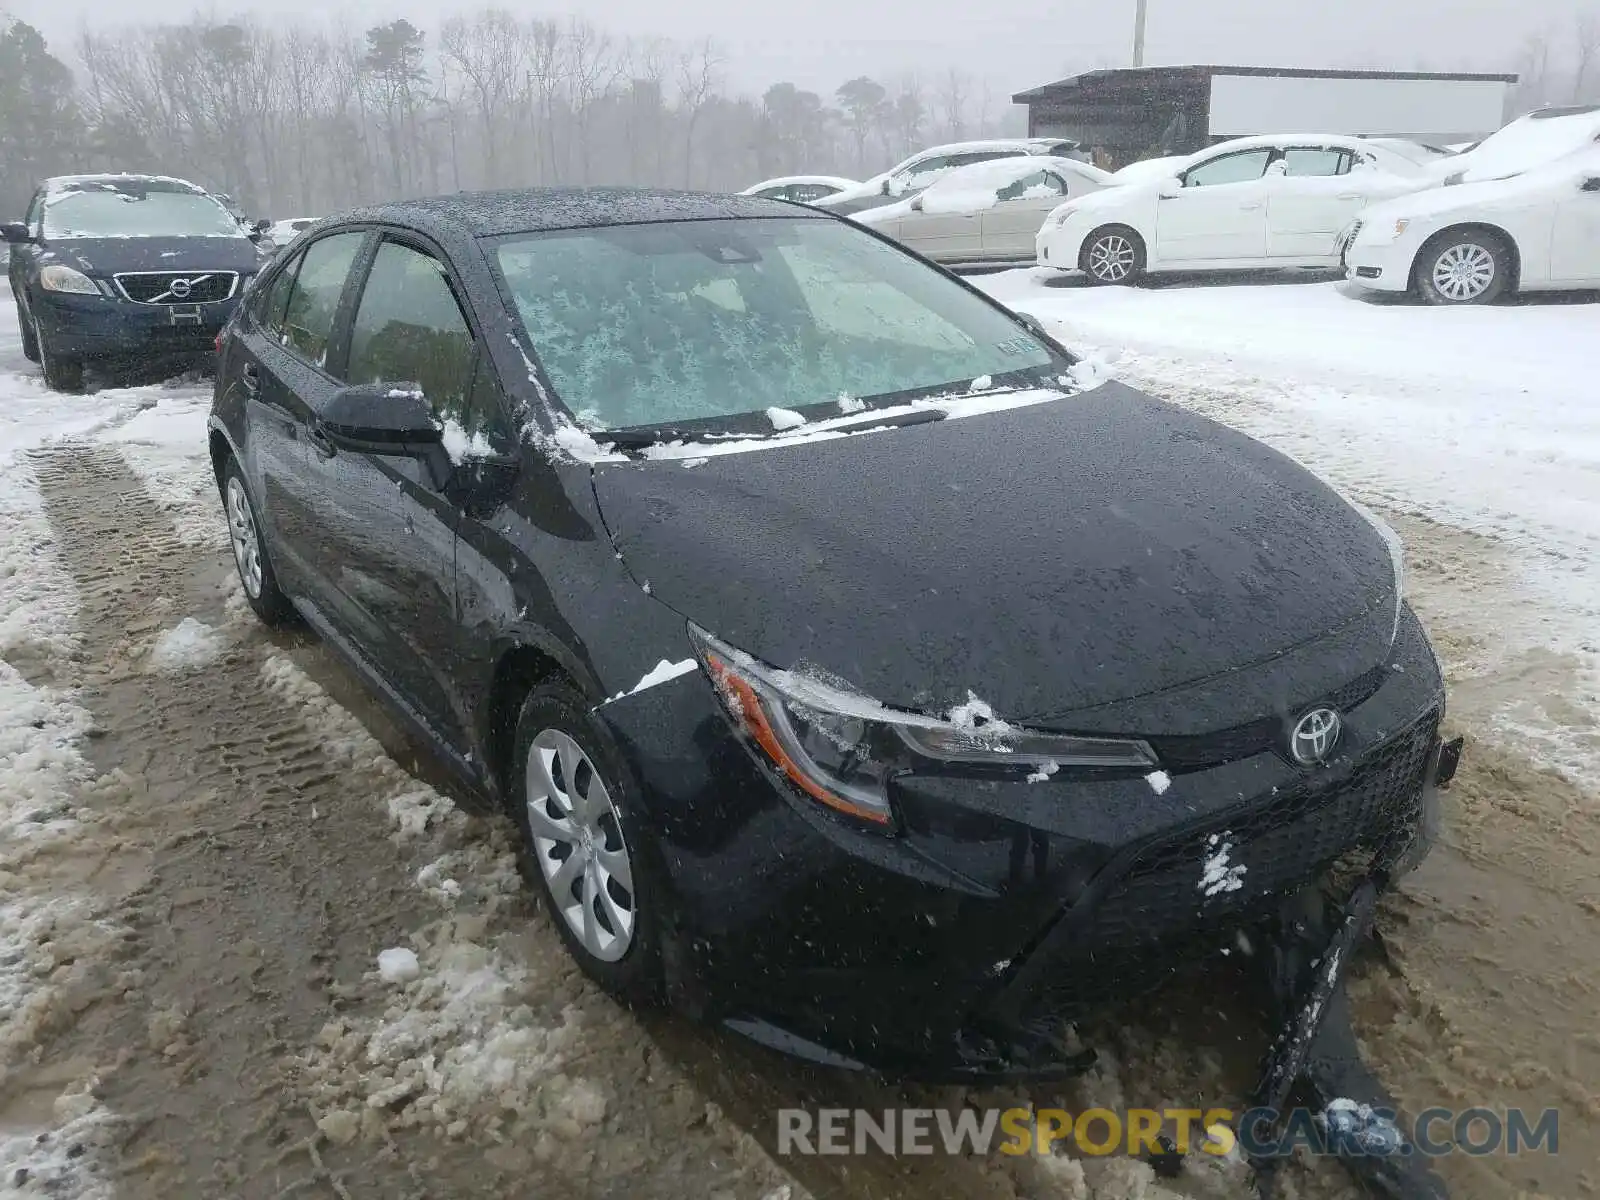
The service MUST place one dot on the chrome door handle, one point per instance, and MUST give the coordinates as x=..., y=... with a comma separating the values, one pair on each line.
x=1250, y=207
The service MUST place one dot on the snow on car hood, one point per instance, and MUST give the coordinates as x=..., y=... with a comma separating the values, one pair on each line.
x=1531, y=187
x=1525, y=144
x=1050, y=558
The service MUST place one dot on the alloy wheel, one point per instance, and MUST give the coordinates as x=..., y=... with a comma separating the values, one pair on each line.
x=578, y=844
x=1463, y=272
x=1111, y=258
x=246, y=541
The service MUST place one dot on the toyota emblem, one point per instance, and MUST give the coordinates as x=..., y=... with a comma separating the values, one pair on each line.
x=1314, y=736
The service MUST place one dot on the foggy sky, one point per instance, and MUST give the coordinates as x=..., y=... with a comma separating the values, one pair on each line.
x=1010, y=44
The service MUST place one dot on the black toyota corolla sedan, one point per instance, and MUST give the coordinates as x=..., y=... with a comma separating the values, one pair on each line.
x=107, y=267
x=861, y=674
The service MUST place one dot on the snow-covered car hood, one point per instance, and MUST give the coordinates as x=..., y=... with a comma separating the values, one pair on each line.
x=1529, y=188
x=1525, y=144
x=1050, y=558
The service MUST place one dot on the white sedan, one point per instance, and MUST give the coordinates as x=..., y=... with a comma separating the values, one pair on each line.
x=1472, y=243
x=805, y=189
x=987, y=214
x=1271, y=201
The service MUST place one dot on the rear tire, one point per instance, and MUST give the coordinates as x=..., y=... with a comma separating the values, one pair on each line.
x=1463, y=266
x=1112, y=256
x=61, y=373
x=30, y=340
x=584, y=848
x=250, y=555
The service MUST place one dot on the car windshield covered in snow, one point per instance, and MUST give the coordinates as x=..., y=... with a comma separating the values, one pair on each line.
x=137, y=208
x=692, y=321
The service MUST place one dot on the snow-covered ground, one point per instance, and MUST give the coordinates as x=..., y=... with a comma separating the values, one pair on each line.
x=1482, y=419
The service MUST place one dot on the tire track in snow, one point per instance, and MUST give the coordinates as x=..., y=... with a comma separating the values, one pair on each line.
x=238, y=1029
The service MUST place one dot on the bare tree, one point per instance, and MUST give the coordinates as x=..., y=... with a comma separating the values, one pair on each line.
x=1585, y=47
x=698, y=72
x=951, y=101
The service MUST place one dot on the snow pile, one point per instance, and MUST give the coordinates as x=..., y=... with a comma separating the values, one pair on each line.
x=188, y=645
x=458, y=1052
x=398, y=965
x=1159, y=782
x=67, y=1162
x=783, y=418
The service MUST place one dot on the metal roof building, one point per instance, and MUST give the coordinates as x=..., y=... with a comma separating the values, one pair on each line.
x=1137, y=112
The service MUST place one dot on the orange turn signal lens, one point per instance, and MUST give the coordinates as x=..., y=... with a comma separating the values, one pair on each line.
x=747, y=707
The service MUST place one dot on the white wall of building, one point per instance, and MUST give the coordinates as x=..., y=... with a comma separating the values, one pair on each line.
x=1417, y=108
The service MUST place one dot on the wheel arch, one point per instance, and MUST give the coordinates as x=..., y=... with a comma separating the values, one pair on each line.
x=1481, y=228
x=520, y=667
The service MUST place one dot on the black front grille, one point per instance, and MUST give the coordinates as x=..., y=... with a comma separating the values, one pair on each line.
x=177, y=287
x=1257, y=737
x=1156, y=916
x=1282, y=844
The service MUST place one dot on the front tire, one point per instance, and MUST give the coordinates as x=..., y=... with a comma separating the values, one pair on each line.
x=250, y=551
x=61, y=373
x=584, y=848
x=1113, y=256
x=1465, y=266
x=30, y=339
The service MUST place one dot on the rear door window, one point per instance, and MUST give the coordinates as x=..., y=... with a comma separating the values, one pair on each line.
x=313, y=300
x=268, y=304
x=1301, y=161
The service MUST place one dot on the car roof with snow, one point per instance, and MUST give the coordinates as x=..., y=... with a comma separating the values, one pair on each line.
x=116, y=180
x=539, y=210
x=997, y=173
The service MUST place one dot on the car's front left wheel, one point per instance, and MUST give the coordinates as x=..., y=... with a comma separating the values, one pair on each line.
x=30, y=340
x=1113, y=255
x=584, y=847
x=1465, y=266
x=62, y=373
x=250, y=550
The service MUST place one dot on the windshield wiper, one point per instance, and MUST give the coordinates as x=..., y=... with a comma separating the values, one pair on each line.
x=923, y=416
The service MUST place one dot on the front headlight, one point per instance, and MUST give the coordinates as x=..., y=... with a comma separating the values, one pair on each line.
x=56, y=278
x=1061, y=215
x=841, y=748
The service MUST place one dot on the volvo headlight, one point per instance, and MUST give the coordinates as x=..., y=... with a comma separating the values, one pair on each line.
x=57, y=278
x=841, y=748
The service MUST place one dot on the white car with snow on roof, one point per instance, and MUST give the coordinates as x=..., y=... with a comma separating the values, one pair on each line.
x=987, y=214
x=910, y=176
x=1473, y=243
x=1250, y=203
x=802, y=189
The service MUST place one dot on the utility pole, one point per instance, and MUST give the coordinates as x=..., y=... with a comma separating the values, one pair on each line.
x=1138, y=33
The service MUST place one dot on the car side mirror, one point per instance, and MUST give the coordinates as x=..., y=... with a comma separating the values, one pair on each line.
x=888, y=187
x=1591, y=184
x=16, y=233
x=380, y=418
x=262, y=225
x=1170, y=187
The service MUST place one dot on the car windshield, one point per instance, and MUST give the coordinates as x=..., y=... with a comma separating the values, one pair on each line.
x=691, y=321
x=117, y=210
